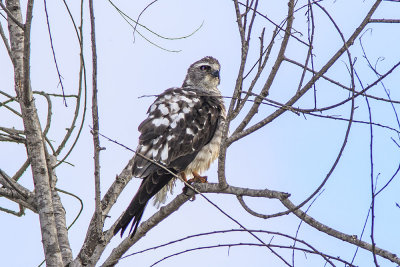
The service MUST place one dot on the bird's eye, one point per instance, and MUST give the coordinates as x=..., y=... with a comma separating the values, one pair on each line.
x=205, y=67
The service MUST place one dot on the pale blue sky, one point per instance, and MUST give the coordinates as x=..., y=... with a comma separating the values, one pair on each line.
x=291, y=154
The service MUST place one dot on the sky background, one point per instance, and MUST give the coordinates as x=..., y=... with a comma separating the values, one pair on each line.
x=292, y=154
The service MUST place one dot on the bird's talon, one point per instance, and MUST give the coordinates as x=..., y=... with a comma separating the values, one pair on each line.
x=197, y=179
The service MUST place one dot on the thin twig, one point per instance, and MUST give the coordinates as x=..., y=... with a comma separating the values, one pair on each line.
x=20, y=213
x=54, y=53
x=95, y=130
x=373, y=188
x=240, y=134
x=325, y=256
x=229, y=245
x=195, y=190
x=82, y=80
x=279, y=26
x=352, y=239
x=5, y=41
x=384, y=20
x=271, y=77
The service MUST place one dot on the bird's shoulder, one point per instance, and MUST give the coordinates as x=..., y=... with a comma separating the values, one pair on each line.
x=176, y=105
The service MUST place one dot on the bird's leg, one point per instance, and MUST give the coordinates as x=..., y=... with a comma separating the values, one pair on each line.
x=197, y=178
x=183, y=175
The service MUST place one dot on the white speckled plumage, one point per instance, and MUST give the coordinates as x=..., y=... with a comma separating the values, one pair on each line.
x=183, y=132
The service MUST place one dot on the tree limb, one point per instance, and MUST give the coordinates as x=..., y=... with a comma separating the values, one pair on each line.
x=352, y=239
x=17, y=20
x=144, y=227
x=20, y=47
x=240, y=134
x=95, y=131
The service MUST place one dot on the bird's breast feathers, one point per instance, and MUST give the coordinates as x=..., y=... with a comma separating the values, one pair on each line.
x=206, y=155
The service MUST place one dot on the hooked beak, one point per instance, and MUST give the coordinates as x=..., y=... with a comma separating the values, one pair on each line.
x=215, y=74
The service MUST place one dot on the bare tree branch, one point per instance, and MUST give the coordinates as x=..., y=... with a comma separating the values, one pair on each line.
x=272, y=74
x=5, y=41
x=7, y=181
x=18, y=214
x=20, y=47
x=14, y=196
x=251, y=107
x=95, y=131
x=242, y=133
x=332, y=232
x=144, y=227
x=109, y=199
x=54, y=53
x=59, y=215
x=384, y=20
x=17, y=20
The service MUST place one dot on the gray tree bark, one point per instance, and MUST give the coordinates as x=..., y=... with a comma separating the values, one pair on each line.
x=36, y=151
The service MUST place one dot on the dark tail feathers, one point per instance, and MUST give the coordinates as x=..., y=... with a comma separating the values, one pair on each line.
x=135, y=212
x=148, y=188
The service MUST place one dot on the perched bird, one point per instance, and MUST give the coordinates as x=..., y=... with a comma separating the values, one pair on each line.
x=182, y=132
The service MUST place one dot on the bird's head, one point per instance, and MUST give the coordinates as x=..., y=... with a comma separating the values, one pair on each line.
x=203, y=74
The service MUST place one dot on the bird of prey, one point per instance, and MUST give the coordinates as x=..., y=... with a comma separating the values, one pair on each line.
x=182, y=132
